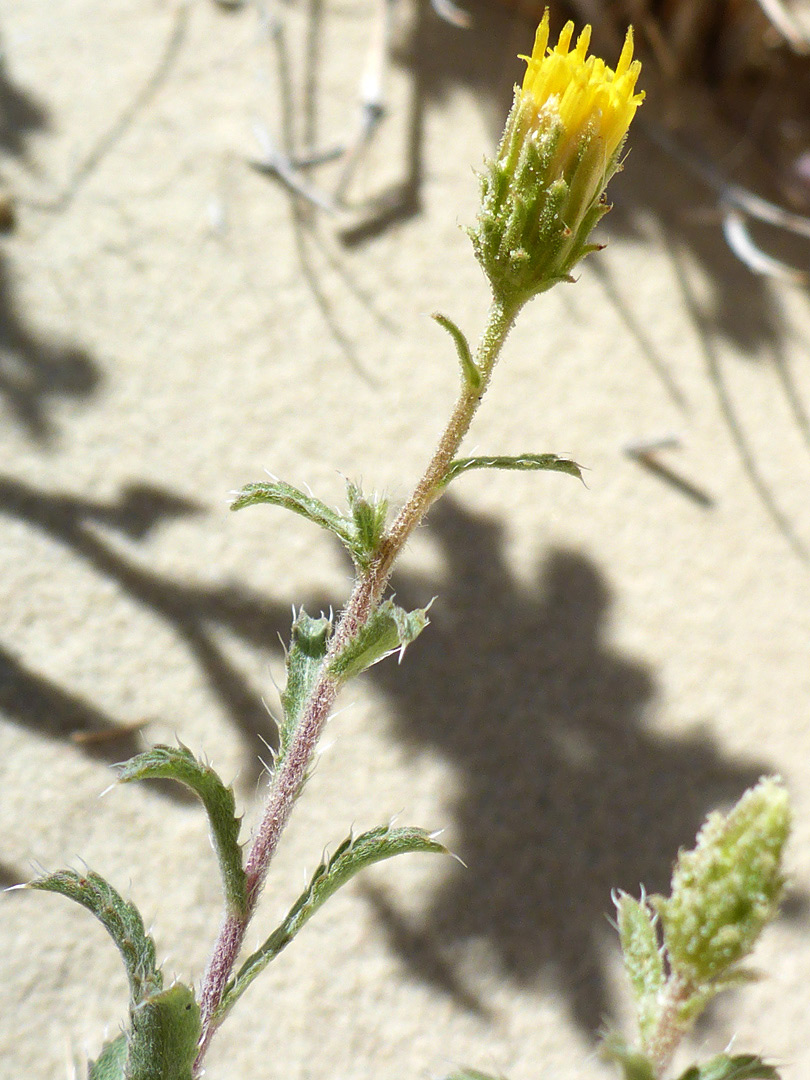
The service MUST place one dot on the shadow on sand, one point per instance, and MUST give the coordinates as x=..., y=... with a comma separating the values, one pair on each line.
x=564, y=789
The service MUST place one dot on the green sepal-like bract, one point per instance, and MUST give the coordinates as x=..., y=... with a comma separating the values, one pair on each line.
x=120, y=918
x=539, y=202
x=389, y=628
x=161, y=1043
x=520, y=462
x=355, y=853
x=682, y=950
x=178, y=763
x=164, y=1025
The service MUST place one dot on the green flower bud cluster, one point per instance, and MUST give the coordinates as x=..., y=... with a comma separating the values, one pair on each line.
x=726, y=890
x=681, y=950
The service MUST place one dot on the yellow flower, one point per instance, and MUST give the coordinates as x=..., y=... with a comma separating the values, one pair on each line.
x=582, y=90
x=544, y=192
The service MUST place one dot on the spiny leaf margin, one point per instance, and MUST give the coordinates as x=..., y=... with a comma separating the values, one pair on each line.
x=353, y=855
x=521, y=462
x=739, y=1067
x=178, y=763
x=643, y=958
x=388, y=629
x=360, y=534
x=280, y=493
x=111, y=1062
x=309, y=642
x=120, y=918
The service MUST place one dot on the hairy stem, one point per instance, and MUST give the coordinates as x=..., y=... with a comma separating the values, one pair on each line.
x=671, y=1028
x=367, y=593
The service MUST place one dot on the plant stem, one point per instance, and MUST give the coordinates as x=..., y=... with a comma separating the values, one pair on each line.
x=367, y=593
x=671, y=1028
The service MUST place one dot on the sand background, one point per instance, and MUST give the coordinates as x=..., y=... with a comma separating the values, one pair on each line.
x=605, y=663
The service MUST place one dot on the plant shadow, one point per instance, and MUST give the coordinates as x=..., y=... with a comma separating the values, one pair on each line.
x=564, y=788
x=33, y=370
x=196, y=614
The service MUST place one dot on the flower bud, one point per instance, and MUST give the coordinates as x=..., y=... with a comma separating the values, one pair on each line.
x=544, y=192
x=728, y=887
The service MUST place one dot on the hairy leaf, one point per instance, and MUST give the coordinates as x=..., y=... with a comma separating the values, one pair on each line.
x=178, y=763
x=388, y=628
x=355, y=853
x=279, y=493
x=739, y=1067
x=359, y=532
x=111, y=1061
x=121, y=919
x=369, y=518
x=469, y=368
x=305, y=658
x=524, y=462
x=643, y=961
x=165, y=1029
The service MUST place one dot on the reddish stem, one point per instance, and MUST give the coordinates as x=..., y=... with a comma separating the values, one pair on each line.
x=368, y=591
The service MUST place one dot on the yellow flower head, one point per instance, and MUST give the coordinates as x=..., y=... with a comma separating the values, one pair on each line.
x=581, y=89
x=544, y=192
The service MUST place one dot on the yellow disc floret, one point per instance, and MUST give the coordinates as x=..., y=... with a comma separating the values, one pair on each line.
x=583, y=88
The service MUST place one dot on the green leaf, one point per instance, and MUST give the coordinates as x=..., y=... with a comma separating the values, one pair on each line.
x=178, y=763
x=387, y=629
x=279, y=493
x=369, y=518
x=111, y=1061
x=165, y=1029
x=524, y=462
x=643, y=961
x=360, y=533
x=739, y=1067
x=355, y=853
x=121, y=919
x=308, y=645
x=469, y=369
x=634, y=1064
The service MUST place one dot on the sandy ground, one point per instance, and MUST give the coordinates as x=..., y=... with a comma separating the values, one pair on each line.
x=605, y=663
